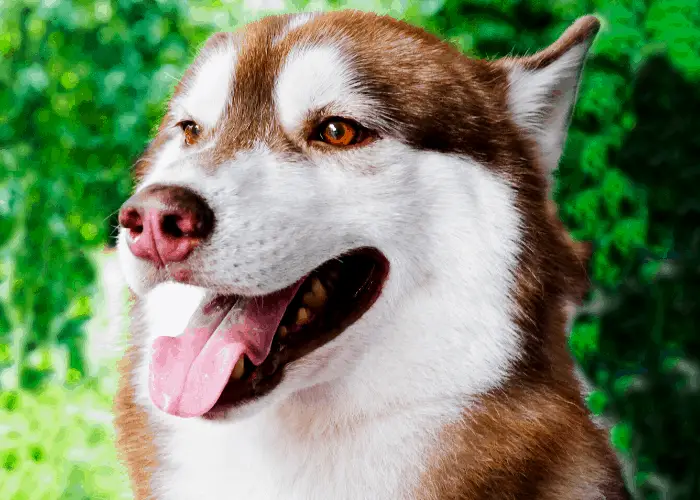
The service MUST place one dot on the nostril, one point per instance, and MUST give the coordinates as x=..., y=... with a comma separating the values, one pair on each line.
x=185, y=224
x=135, y=232
x=130, y=218
x=171, y=225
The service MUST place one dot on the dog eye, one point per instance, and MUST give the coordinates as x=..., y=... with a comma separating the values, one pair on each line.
x=342, y=133
x=191, y=131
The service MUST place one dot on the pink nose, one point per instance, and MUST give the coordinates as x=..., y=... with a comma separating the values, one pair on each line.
x=165, y=223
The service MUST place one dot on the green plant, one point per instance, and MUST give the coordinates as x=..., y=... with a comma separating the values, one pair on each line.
x=58, y=444
x=83, y=84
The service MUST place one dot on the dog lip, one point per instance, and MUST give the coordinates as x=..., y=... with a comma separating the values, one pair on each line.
x=182, y=275
x=360, y=274
x=258, y=381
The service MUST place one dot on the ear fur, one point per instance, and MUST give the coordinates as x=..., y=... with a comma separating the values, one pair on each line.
x=542, y=88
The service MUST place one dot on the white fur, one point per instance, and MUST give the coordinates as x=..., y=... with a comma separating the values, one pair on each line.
x=450, y=230
x=533, y=108
x=296, y=22
x=206, y=98
x=318, y=77
x=359, y=417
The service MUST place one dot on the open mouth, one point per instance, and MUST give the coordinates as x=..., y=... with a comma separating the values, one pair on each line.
x=235, y=348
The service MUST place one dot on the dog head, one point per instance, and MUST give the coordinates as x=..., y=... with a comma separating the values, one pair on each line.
x=343, y=199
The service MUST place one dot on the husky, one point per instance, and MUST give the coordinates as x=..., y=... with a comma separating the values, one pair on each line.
x=349, y=278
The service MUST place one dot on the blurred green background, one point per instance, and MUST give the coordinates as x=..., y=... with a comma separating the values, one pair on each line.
x=82, y=85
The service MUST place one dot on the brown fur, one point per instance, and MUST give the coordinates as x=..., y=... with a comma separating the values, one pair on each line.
x=511, y=448
x=431, y=95
x=134, y=433
x=534, y=437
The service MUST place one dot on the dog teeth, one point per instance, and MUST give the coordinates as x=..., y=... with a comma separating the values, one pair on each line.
x=238, y=369
x=282, y=331
x=317, y=296
x=303, y=316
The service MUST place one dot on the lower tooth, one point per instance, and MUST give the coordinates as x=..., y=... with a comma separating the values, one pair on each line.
x=282, y=331
x=238, y=369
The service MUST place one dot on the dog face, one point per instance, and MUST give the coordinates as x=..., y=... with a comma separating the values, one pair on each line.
x=305, y=140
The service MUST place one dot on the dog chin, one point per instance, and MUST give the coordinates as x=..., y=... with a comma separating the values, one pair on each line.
x=312, y=381
x=240, y=412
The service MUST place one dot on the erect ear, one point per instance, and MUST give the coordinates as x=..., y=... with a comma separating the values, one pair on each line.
x=542, y=88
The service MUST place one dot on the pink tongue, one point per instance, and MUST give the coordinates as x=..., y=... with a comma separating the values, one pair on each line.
x=188, y=373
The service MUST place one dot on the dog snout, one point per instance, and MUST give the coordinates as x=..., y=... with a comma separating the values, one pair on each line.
x=165, y=223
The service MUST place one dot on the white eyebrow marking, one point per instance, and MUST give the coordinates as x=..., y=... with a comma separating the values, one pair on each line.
x=206, y=97
x=314, y=77
x=297, y=21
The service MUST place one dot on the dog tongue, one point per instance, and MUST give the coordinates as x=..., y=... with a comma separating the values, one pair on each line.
x=188, y=373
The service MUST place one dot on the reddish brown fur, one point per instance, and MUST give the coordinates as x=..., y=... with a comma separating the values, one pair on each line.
x=534, y=437
x=134, y=433
x=524, y=442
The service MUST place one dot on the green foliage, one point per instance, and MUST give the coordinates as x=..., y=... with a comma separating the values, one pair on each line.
x=59, y=444
x=82, y=85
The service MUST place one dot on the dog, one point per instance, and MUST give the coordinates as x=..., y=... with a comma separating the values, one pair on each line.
x=349, y=278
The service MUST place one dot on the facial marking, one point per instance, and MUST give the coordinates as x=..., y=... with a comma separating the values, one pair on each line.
x=297, y=21
x=313, y=78
x=208, y=94
x=167, y=154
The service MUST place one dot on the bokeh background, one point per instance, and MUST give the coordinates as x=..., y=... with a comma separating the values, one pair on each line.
x=82, y=86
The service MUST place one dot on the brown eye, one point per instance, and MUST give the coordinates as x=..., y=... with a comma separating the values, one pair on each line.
x=191, y=131
x=338, y=132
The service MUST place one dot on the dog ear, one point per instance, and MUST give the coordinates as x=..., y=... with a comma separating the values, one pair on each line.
x=542, y=88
